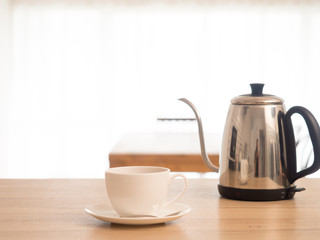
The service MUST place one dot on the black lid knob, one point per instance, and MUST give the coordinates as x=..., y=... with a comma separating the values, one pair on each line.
x=256, y=89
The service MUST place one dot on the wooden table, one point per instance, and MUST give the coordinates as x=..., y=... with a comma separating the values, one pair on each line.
x=54, y=209
x=178, y=151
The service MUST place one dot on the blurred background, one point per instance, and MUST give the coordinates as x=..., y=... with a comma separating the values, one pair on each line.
x=75, y=75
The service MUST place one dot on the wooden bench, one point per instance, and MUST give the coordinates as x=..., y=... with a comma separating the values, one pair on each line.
x=180, y=152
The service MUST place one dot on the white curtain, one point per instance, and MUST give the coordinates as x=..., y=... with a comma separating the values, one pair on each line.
x=82, y=73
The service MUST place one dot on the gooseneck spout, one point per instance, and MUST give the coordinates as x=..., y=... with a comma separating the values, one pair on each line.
x=204, y=154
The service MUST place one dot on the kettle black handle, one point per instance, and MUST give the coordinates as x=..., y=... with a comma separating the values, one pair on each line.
x=314, y=132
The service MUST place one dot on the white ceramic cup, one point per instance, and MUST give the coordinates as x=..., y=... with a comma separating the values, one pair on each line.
x=140, y=190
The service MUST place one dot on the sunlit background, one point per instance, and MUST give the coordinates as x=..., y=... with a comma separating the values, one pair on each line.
x=77, y=75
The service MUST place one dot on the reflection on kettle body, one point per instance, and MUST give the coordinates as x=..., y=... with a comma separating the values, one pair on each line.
x=257, y=158
x=233, y=145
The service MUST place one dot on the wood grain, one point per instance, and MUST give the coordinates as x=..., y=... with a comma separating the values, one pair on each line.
x=54, y=209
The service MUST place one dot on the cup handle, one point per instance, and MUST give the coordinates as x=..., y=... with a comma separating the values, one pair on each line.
x=172, y=177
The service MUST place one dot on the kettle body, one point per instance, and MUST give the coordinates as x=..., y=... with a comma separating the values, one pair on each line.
x=258, y=156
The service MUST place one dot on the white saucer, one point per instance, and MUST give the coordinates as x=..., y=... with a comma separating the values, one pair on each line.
x=104, y=212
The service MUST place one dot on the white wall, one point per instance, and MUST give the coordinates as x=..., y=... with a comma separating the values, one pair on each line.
x=5, y=76
x=84, y=73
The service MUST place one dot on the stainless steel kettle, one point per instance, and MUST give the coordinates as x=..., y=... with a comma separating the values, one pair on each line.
x=258, y=152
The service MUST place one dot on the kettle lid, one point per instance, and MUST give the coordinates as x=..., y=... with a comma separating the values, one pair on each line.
x=257, y=97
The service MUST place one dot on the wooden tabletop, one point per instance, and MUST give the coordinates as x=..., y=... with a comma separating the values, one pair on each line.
x=54, y=209
x=176, y=151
